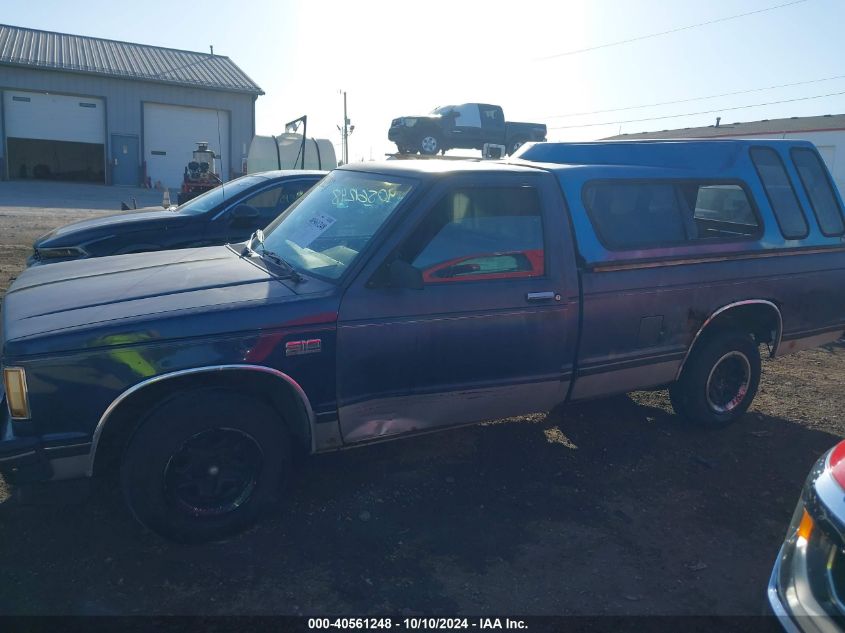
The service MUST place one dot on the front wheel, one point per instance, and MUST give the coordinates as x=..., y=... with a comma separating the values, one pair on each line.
x=429, y=144
x=719, y=381
x=204, y=465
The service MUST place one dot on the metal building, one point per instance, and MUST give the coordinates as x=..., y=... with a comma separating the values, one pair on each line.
x=95, y=110
x=826, y=131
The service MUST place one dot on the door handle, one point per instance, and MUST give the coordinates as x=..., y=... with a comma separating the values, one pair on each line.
x=542, y=296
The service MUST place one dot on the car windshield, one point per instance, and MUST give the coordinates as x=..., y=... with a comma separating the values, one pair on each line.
x=325, y=230
x=214, y=197
x=443, y=109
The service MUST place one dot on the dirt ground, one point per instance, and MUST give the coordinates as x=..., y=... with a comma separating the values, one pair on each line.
x=609, y=507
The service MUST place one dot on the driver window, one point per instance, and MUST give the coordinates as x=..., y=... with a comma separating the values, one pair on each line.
x=271, y=202
x=468, y=115
x=265, y=201
x=474, y=234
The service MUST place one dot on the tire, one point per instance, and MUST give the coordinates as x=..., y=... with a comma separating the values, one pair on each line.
x=429, y=144
x=719, y=380
x=515, y=145
x=205, y=464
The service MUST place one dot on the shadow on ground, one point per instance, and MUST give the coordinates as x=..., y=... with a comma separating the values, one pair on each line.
x=609, y=507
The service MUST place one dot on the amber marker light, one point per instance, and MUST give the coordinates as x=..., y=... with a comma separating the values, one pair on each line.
x=14, y=380
x=805, y=528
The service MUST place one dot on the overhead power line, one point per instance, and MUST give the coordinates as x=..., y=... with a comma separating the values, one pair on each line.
x=670, y=31
x=676, y=116
x=724, y=94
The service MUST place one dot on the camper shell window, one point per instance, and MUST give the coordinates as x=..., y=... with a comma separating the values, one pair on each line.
x=817, y=185
x=631, y=215
x=779, y=191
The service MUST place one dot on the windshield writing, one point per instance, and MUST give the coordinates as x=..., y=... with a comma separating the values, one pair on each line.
x=325, y=231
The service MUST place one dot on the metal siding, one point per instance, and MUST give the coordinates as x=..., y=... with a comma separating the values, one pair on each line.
x=123, y=102
x=2, y=137
x=62, y=51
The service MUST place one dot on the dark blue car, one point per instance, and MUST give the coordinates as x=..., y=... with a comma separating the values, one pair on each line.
x=228, y=213
x=406, y=297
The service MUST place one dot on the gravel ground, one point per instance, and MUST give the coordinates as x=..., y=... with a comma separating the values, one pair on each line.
x=607, y=507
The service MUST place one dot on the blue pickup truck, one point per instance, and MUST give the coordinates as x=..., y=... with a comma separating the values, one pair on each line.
x=400, y=298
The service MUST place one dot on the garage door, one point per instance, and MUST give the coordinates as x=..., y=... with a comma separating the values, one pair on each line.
x=171, y=134
x=58, y=137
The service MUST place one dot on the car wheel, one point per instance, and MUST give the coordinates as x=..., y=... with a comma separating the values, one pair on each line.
x=204, y=465
x=719, y=380
x=515, y=145
x=429, y=144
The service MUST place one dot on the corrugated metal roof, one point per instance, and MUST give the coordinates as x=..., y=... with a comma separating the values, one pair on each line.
x=76, y=53
x=791, y=125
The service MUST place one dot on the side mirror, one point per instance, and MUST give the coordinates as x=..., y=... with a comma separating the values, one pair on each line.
x=244, y=212
x=401, y=274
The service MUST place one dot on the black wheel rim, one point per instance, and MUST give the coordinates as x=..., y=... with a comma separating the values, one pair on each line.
x=213, y=473
x=728, y=382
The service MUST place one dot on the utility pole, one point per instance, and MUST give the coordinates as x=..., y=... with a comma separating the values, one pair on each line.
x=345, y=131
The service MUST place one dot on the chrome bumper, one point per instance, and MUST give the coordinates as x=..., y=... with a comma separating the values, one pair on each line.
x=778, y=606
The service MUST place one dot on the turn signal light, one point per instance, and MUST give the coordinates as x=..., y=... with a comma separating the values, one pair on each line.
x=14, y=380
x=805, y=528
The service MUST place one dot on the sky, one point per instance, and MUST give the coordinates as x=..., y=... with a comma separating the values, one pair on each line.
x=397, y=58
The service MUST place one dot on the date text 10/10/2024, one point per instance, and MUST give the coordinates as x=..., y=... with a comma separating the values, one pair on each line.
x=417, y=623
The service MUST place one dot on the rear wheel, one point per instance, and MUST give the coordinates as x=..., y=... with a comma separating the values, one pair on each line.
x=719, y=381
x=515, y=144
x=204, y=465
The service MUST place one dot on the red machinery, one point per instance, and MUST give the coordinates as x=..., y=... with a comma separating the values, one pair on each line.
x=200, y=174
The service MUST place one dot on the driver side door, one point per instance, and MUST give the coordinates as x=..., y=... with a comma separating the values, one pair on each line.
x=488, y=332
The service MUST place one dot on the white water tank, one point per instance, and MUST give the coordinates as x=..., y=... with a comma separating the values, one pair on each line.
x=267, y=153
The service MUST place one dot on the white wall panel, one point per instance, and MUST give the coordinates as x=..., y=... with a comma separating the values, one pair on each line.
x=171, y=134
x=54, y=117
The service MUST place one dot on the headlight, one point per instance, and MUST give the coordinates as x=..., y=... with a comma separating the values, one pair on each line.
x=60, y=252
x=14, y=379
x=409, y=121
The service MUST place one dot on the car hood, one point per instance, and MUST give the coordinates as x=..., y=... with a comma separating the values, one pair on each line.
x=81, y=303
x=79, y=232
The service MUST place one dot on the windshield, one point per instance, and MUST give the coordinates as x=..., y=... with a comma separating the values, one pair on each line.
x=443, y=109
x=214, y=197
x=325, y=230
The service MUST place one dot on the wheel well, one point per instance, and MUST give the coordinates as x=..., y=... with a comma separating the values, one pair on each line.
x=122, y=422
x=760, y=319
